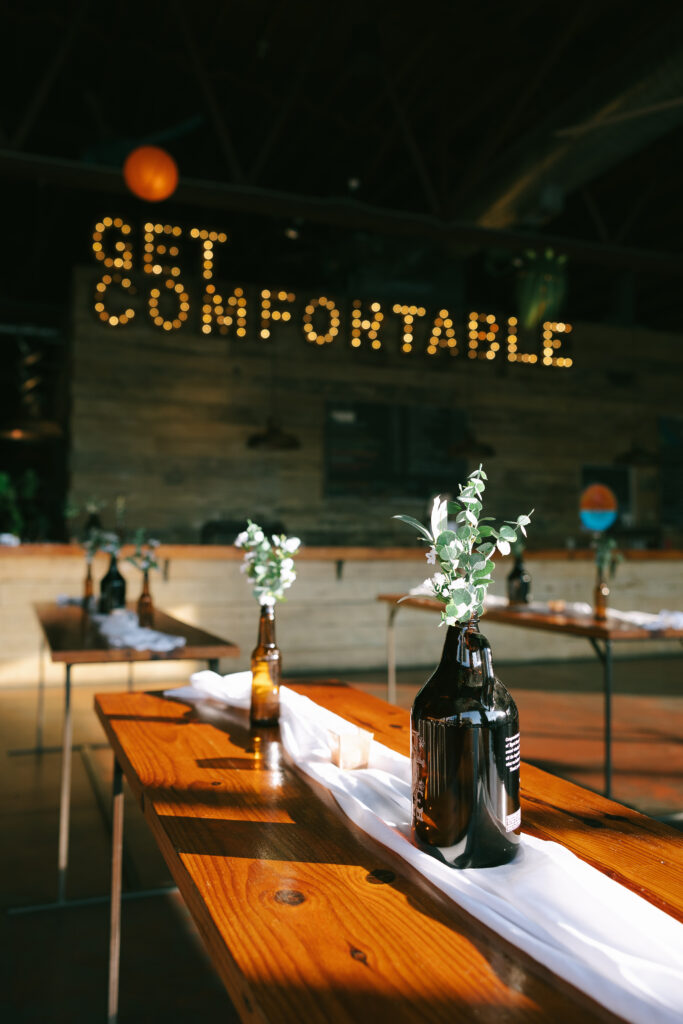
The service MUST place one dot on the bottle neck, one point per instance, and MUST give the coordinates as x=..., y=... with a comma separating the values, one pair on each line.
x=466, y=648
x=266, y=626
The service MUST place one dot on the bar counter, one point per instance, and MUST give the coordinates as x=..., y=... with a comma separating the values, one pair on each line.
x=330, y=621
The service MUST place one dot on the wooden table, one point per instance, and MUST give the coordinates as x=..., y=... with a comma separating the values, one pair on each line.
x=73, y=639
x=599, y=634
x=308, y=919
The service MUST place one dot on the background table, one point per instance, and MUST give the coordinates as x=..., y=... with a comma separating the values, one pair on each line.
x=308, y=919
x=599, y=634
x=73, y=639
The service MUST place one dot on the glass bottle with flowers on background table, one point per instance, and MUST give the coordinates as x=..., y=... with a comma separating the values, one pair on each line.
x=145, y=560
x=607, y=559
x=269, y=565
x=464, y=746
x=91, y=545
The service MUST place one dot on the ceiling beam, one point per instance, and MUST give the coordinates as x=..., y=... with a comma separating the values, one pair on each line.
x=220, y=127
x=47, y=81
x=347, y=214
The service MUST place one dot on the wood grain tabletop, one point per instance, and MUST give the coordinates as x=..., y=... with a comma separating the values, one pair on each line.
x=552, y=622
x=308, y=919
x=73, y=637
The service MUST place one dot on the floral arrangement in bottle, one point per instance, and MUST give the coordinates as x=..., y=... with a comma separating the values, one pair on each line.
x=268, y=564
x=607, y=559
x=464, y=554
x=144, y=559
x=464, y=723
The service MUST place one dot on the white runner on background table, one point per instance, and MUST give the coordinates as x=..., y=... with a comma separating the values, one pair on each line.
x=664, y=619
x=121, y=628
x=598, y=935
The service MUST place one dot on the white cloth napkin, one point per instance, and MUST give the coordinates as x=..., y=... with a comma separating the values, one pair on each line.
x=122, y=629
x=599, y=936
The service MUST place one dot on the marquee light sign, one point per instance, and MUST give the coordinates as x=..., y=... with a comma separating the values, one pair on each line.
x=168, y=303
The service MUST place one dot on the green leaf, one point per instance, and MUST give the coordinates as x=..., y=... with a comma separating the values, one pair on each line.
x=484, y=531
x=418, y=526
x=507, y=533
x=486, y=549
x=451, y=609
x=445, y=538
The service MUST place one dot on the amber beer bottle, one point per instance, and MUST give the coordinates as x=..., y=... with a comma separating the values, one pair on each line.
x=266, y=672
x=465, y=757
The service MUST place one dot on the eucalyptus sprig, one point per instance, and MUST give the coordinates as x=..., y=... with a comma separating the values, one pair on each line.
x=267, y=563
x=100, y=540
x=607, y=558
x=144, y=558
x=464, y=555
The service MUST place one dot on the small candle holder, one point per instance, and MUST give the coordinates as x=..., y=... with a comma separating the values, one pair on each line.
x=350, y=748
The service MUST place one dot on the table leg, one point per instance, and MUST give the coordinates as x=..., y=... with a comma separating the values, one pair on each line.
x=391, y=655
x=40, y=710
x=604, y=653
x=607, y=665
x=65, y=798
x=115, y=907
x=213, y=664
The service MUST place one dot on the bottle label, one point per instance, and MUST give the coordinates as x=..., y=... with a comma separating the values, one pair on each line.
x=513, y=821
x=512, y=752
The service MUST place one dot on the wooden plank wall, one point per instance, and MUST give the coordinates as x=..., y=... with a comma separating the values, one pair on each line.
x=164, y=419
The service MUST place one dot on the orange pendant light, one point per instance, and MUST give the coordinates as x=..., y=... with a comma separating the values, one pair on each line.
x=151, y=173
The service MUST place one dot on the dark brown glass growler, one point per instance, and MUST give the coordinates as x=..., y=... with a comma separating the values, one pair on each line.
x=465, y=757
x=519, y=583
x=112, y=588
x=266, y=672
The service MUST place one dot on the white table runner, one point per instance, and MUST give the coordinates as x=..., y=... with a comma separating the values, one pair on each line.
x=593, y=932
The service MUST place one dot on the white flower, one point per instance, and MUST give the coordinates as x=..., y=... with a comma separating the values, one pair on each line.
x=431, y=556
x=292, y=544
x=258, y=536
x=287, y=564
x=439, y=516
x=241, y=538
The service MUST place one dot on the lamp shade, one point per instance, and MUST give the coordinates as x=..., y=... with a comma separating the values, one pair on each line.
x=151, y=173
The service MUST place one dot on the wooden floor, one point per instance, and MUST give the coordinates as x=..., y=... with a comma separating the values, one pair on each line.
x=55, y=960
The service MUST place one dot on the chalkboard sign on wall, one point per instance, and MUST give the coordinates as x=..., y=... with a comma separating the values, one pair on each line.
x=383, y=450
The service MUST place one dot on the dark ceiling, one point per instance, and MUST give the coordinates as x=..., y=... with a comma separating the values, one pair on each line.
x=471, y=131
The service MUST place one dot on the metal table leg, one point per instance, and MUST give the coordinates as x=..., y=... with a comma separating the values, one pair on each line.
x=213, y=664
x=604, y=653
x=65, y=799
x=115, y=907
x=40, y=710
x=391, y=655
